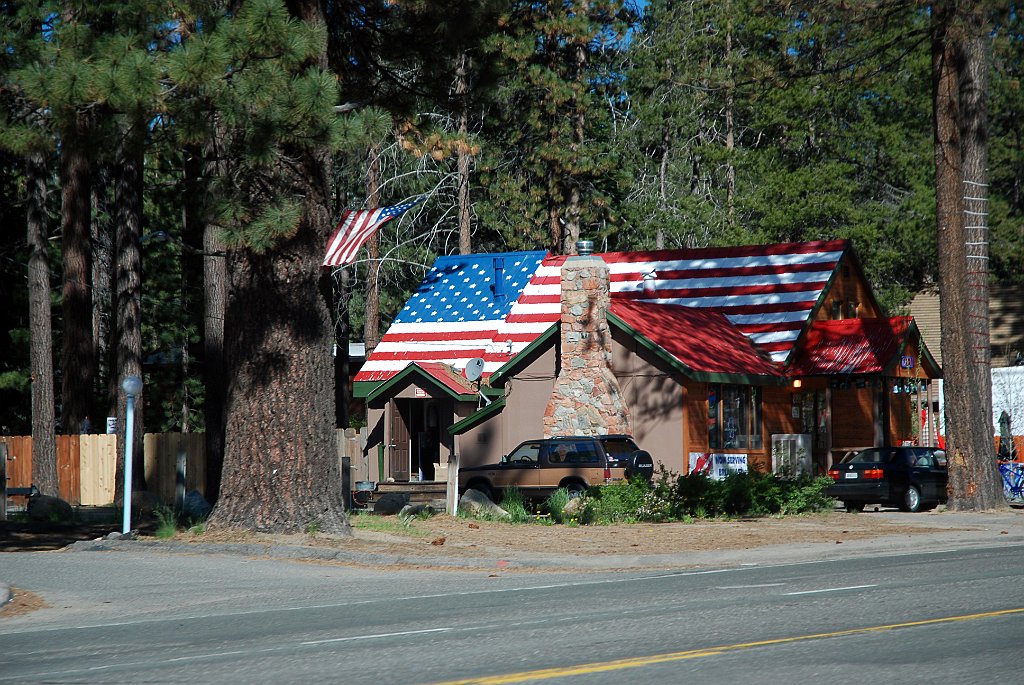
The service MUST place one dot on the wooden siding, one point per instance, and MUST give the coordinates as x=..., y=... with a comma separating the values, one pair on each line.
x=1006, y=322
x=850, y=285
x=853, y=418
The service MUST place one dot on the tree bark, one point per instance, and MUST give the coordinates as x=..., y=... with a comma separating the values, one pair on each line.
x=44, y=442
x=464, y=156
x=215, y=289
x=973, y=78
x=128, y=298
x=968, y=436
x=281, y=470
x=78, y=358
x=371, y=319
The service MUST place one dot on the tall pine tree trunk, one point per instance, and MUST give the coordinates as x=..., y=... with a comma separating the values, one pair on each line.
x=281, y=471
x=44, y=444
x=972, y=467
x=464, y=153
x=128, y=297
x=371, y=320
x=78, y=358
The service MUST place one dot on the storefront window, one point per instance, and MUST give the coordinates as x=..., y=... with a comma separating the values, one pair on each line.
x=734, y=417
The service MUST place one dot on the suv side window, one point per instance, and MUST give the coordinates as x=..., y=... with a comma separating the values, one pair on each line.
x=572, y=452
x=527, y=453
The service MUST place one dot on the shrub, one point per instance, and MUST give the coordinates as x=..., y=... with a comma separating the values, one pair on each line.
x=515, y=505
x=167, y=522
x=625, y=502
x=554, y=505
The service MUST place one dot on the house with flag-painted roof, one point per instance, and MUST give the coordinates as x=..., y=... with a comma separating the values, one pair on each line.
x=770, y=357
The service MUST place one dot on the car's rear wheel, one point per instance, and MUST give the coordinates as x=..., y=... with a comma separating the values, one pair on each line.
x=911, y=499
x=575, y=489
x=853, y=507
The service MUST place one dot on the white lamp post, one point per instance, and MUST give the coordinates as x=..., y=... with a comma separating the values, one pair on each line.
x=132, y=386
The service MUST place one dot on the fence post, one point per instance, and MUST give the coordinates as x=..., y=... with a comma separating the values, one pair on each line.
x=179, y=482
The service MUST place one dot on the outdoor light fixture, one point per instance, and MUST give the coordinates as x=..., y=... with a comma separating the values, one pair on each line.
x=132, y=386
x=797, y=383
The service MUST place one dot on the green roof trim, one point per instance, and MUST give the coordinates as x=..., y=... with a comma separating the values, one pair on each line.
x=407, y=374
x=364, y=388
x=477, y=417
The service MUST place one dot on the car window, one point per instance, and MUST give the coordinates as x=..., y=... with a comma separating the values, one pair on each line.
x=619, y=448
x=527, y=453
x=572, y=452
x=873, y=455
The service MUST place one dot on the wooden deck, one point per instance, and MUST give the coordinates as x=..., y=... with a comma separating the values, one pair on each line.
x=422, y=491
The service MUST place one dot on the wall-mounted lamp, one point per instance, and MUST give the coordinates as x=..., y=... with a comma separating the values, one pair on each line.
x=797, y=383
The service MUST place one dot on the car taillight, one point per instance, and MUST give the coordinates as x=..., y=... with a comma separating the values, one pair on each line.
x=833, y=474
x=607, y=475
x=873, y=474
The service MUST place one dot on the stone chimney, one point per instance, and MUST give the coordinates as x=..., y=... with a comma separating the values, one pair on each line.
x=586, y=399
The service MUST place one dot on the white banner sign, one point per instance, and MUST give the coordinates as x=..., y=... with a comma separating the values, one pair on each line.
x=717, y=466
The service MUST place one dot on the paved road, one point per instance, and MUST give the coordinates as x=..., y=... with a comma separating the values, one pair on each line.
x=950, y=615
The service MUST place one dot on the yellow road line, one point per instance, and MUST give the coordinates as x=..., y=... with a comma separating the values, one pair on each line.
x=637, y=662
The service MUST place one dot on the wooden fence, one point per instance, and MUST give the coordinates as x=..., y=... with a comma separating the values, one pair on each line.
x=87, y=464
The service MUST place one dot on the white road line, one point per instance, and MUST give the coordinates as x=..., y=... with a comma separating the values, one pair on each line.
x=745, y=587
x=831, y=589
x=376, y=635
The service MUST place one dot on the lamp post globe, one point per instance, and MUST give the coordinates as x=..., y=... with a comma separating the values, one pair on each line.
x=132, y=385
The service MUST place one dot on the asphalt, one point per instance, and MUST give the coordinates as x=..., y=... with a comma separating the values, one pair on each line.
x=948, y=531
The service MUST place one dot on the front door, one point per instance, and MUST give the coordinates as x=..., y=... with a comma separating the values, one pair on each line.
x=398, y=448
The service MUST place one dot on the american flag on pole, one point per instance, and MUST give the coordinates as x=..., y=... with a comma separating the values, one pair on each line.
x=355, y=228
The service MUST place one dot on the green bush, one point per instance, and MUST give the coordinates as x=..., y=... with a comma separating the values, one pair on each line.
x=674, y=497
x=515, y=505
x=625, y=502
x=554, y=505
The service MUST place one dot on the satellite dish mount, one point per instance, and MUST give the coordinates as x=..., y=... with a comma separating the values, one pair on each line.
x=473, y=372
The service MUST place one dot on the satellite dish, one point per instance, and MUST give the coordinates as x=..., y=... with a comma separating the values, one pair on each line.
x=474, y=369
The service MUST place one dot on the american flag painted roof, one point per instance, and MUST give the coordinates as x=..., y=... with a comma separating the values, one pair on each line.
x=455, y=313
x=767, y=291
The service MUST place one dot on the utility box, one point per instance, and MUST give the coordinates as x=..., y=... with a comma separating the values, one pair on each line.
x=791, y=455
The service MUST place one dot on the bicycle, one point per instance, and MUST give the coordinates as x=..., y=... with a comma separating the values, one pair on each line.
x=1013, y=480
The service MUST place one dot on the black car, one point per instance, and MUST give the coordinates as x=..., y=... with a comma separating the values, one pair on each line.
x=912, y=478
x=539, y=467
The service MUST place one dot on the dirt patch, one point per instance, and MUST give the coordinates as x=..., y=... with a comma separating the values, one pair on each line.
x=22, y=602
x=447, y=536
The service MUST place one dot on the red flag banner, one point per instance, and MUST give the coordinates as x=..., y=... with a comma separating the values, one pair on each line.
x=355, y=228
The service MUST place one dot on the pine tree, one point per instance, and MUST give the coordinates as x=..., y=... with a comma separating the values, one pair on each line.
x=275, y=103
x=553, y=165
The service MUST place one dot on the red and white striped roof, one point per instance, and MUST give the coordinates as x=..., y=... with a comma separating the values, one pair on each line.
x=766, y=291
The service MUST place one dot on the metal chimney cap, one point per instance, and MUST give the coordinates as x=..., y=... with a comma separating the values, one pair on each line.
x=584, y=247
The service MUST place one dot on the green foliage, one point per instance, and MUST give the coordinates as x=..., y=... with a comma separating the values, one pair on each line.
x=742, y=494
x=167, y=522
x=513, y=502
x=554, y=505
x=625, y=502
